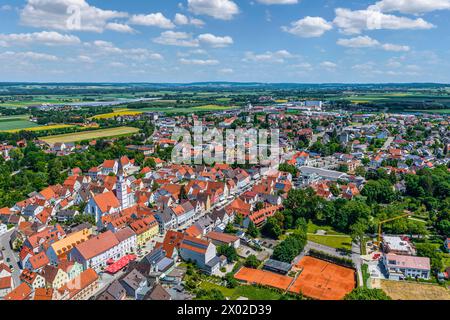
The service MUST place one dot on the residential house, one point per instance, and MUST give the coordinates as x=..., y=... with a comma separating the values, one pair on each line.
x=55, y=277
x=202, y=252
x=59, y=250
x=145, y=229
x=20, y=293
x=33, y=279
x=81, y=288
x=220, y=239
x=95, y=252
x=401, y=267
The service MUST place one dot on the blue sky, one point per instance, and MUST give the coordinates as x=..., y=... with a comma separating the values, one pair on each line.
x=304, y=41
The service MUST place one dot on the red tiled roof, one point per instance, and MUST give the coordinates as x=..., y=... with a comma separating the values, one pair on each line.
x=22, y=292
x=97, y=245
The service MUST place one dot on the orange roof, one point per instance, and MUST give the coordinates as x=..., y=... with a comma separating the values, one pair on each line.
x=5, y=211
x=222, y=237
x=172, y=239
x=143, y=225
x=193, y=231
x=265, y=278
x=5, y=283
x=48, y=193
x=109, y=164
x=106, y=201
x=239, y=206
x=22, y=292
x=97, y=245
x=43, y=294
x=39, y=260
x=78, y=284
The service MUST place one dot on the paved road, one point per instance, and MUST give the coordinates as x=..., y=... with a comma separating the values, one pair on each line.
x=9, y=253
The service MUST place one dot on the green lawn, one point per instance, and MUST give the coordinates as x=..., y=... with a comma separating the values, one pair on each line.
x=312, y=228
x=337, y=242
x=250, y=292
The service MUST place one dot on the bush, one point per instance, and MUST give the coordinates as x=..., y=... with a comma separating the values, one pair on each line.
x=361, y=293
x=326, y=257
x=252, y=262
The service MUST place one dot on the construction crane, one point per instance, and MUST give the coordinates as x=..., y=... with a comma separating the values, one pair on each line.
x=407, y=214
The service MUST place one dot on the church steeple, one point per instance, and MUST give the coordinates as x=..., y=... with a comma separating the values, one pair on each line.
x=122, y=188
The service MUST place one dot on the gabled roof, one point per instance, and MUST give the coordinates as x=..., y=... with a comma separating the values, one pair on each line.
x=106, y=201
x=97, y=245
x=39, y=260
x=22, y=292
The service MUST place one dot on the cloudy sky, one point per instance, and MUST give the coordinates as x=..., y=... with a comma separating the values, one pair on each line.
x=305, y=41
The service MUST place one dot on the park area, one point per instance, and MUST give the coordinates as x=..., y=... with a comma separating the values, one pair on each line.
x=405, y=290
x=323, y=280
x=327, y=236
x=89, y=135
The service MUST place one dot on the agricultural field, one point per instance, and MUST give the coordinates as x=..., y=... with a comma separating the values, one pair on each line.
x=405, y=290
x=16, y=124
x=90, y=135
x=117, y=113
x=43, y=128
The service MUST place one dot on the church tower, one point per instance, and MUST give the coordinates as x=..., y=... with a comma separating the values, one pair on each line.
x=122, y=188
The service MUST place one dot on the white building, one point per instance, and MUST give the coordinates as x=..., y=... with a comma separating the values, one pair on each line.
x=127, y=240
x=3, y=228
x=95, y=252
x=401, y=267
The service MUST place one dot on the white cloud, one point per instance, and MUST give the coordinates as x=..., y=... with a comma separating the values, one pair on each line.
x=226, y=71
x=395, y=47
x=309, y=27
x=270, y=2
x=269, y=56
x=219, y=9
x=330, y=66
x=368, y=42
x=29, y=55
x=354, y=22
x=358, y=42
x=182, y=20
x=173, y=38
x=119, y=27
x=152, y=20
x=62, y=15
x=105, y=48
x=50, y=38
x=411, y=6
x=215, y=41
x=199, y=62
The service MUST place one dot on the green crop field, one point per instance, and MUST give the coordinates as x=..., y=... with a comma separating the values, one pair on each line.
x=15, y=124
x=90, y=135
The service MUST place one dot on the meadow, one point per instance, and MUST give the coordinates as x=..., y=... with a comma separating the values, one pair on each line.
x=16, y=124
x=90, y=135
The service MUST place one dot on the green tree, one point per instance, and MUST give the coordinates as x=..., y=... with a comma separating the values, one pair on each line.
x=252, y=230
x=252, y=262
x=228, y=251
x=272, y=228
